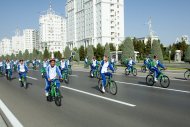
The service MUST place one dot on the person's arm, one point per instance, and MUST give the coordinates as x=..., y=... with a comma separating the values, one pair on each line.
x=111, y=67
x=58, y=72
x=47, y=74
x=18, y=69
x=26, y=68
x=160, y=64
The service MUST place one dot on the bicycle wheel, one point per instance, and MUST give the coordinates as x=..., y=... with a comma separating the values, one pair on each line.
x=67, y=79
x=58, y=98
x=98, y=75
x=143, y=69
x=127, y=71
x=25, y=84
x=165, y=81
x=100, y=85
x=113, y=88
x=134, y=72
x=150, y=80
x=91, y=74
x=187, y=75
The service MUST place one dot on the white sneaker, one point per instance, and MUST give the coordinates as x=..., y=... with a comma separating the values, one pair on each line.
x=156, y=80
x=103, y=90
x=19, y=79
x=47, y=94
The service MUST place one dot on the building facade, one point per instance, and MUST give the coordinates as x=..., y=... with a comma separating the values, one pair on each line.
x=90, y=22
x=6, y=47
x=17, y=43
x=52, y=31
x=31, y=40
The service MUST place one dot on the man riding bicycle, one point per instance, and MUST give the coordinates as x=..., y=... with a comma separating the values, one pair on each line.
x=94, y=65
x=44, y=66
x=155, y=63
x=8, y=67
x=52, y=73
x=104, y=71
x=130, y=64
x=63, y=65
x=22, y=69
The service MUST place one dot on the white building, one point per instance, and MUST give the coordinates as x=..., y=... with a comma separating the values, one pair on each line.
x=6, y=47
x=90, y=22
x=17, y=43
x=52, y=31
x=31, y=42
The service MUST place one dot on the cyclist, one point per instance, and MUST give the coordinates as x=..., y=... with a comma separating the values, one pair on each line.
x=147, y=62
x=52, y=73
x=44, y=65
x=105, y=64
x=155, y=63
x=94, y=65
x=8, y=67
x=22, y=69
x=63, y=65
x=130, y=64
x=34, y=63
x=113, y=61
x=1, y=66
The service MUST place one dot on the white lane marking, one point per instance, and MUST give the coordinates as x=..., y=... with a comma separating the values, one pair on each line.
x=98, y=96
x=74, y=75
x=182, y=91
x=10, y=116
x=32, y=78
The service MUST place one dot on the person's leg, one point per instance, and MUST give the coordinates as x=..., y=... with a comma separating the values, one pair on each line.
x=47, y=87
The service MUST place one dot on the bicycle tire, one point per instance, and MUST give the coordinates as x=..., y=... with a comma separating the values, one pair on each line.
x=127, y=71
x=187, y=75
x=163, y=82
x=143, y=69
x=150, y=80
x=112, y=86
x=134, y=72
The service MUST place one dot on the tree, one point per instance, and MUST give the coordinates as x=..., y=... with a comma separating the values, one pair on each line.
x=112, y=47
x=34, y=53
x=187, y=54
x=107, y=50
x=81, y=53
x=99, y=52
x=46, y=54
x=128, y=49
x=20, y=56
x=26, y=54
x=90, y=52
x=156, y=50
x=67, y=52
x=58, y=55
x=77, y=57
x=148, y=47
x=13, y=56
x=40, y=56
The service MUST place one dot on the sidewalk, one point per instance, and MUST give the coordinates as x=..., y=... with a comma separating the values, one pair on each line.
x=2, y=122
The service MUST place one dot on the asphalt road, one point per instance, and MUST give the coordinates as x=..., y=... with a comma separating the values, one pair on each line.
x=135, y=105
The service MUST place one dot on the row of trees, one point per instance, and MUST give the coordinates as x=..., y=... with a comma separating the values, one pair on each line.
x=128, y=47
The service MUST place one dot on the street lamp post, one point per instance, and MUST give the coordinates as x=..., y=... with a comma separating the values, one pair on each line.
x=169, y=56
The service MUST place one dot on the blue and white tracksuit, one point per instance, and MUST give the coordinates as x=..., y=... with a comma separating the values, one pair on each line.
x=63, y=66
x=155, y=68
x=1, y=66
x=130, y=64
x=8, y=67
x=104, y=71
x=52, y=73
x=94, y=65
x=22, y=70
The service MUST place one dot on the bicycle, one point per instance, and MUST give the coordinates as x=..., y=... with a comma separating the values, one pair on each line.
x=54, y=93
x=65, y=75
x=95, y=73
x=1, y=72
x=23, y=82
x=70, y=70
x=43, y=72
x=163, y=79
x=133, y=70
x=143, y=69
x=110, y=87
x=187, y=74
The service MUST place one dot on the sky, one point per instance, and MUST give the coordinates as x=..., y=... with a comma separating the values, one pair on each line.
x=170, y=18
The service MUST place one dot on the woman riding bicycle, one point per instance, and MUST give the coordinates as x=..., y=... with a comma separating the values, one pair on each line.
x=22, y=69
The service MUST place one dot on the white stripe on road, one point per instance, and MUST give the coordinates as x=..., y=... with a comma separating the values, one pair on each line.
x=32, y=78
x=74, y=75
x=10, y=116
x=98, y=96
x=182, y=91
